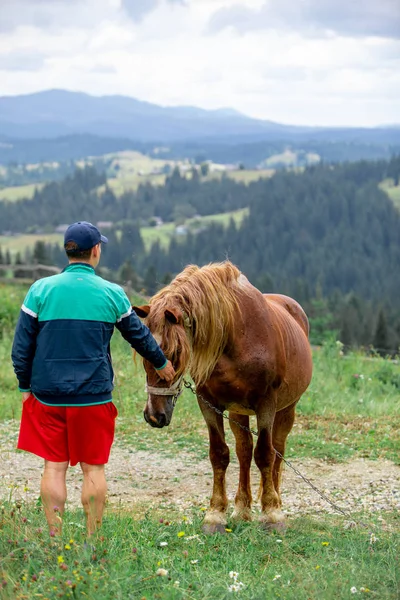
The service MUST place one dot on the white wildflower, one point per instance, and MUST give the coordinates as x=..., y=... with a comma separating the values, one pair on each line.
x=278, y=541
x=277, y=577
x=163, y=543
x=195, y=561
x=373, y=538
x=162, y=572
x=236, y=585
x=353, y=590
x=176, y=584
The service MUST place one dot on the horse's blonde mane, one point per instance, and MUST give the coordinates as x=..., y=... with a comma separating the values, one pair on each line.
x=207, y=298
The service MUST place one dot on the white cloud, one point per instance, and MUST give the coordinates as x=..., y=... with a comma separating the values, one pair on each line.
x=317, y=18
x=165, y=56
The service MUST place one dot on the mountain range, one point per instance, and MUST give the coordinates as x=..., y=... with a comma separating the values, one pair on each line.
x=54, y=113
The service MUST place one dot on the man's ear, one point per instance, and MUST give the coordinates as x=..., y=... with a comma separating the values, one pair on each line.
x=142, y=311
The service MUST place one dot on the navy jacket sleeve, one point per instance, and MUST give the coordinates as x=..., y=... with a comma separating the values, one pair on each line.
x=140, y=338
x=23, y=349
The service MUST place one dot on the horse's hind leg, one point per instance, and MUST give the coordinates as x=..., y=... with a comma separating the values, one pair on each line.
x=244, y=451
x=283, y=424
x=215, y=518
x=264, y=456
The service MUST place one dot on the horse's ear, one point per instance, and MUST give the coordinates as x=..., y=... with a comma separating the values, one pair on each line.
x=173, y=315
x=142, y=311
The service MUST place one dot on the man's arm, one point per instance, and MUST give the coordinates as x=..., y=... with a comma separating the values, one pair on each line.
x=24, y=345
x=141, y=339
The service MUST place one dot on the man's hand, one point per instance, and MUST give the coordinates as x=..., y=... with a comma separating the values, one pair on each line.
x=25, y=396
x=167, y=373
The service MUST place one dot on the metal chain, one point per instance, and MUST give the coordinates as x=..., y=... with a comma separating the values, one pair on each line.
x=189, y=386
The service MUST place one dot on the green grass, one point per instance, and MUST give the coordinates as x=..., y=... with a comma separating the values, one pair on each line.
x=133, y=168
x=245, y=176
x=165, y=232
x=19, y=192
x=392, y=191
x=19, y=243
x=314, y=559
x=351, y=410
x=126, y=183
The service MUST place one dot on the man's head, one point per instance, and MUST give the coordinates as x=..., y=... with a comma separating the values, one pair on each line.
x=82, y=242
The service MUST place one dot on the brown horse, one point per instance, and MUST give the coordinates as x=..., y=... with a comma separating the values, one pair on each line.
x=247, y=353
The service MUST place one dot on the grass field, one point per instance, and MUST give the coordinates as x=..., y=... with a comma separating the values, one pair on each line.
x=165, y=232
x=392, y=191
x=351, y=410
x=245, y=176
x=129, y=169
x=126, y=181
x=19, y=243
x=19, y=192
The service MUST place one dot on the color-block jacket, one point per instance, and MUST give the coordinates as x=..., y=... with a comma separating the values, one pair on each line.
x=61, y=349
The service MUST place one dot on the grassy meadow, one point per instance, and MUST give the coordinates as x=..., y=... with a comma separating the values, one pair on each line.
x=163, y=233
x=351, y=410
x=19, y=243
x=129, y=169
x=392, y=191
x=19, y=192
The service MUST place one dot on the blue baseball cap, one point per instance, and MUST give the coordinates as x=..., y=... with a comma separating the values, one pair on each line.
x=84, y=234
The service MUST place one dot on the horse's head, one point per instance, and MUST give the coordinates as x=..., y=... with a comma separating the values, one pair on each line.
x=167, y=326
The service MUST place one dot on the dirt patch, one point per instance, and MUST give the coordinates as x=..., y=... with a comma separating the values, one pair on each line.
x=137, y=479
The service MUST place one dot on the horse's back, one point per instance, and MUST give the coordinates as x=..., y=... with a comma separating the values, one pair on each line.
x=292, y=307
x=292, y=323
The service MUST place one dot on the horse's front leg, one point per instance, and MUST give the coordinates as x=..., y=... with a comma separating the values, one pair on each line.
x=244, y=452
x=215, y=518
x=264, y=456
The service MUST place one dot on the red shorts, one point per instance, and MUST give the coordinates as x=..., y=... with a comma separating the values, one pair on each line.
x=68, y=433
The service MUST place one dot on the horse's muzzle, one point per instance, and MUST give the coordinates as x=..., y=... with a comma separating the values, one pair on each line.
x=160, y=420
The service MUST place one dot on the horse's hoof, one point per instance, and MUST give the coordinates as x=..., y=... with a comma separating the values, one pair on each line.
x=212, y=528
x=279, y=527
x=243, y=514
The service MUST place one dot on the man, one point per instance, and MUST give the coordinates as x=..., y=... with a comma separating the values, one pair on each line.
x=61, y=357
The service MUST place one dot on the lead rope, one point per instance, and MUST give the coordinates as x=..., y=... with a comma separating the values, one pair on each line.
x=348, y=515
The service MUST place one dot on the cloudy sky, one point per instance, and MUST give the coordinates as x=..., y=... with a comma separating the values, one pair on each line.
x=313, y=62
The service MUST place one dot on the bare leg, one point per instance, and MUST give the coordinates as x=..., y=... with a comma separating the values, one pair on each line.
x=53, y=491
x=244, y=451
x=94, y=490
x=215, y=519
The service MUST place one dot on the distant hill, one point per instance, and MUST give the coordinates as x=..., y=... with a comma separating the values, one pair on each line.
x=58, y=125
x=55, y=113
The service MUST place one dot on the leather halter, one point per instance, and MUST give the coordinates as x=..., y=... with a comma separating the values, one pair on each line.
x=174, y=390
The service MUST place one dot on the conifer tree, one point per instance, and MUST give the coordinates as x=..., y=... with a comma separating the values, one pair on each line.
x=381, y=336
